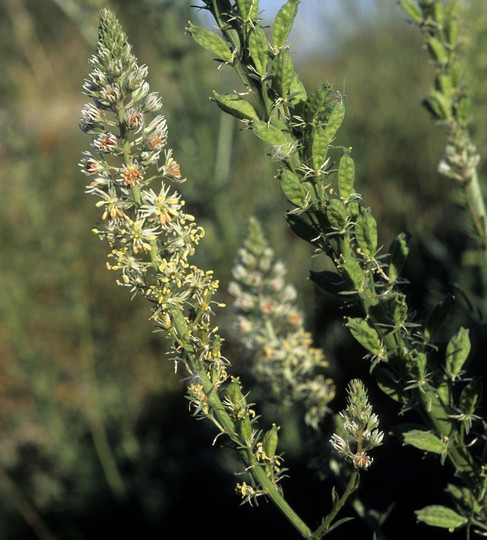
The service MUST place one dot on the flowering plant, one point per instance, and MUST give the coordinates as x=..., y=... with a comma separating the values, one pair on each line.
x=152, y=240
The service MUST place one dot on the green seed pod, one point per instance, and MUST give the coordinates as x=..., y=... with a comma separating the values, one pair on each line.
x=292, y=188
x=234, y=393
x=353, y=209
x=269, y=133
x=245, y=427
x=297, y=91
x=210, y=41
x=457, y=351
x=315, y=107
x=235, y=106
x=335, y=119
x=412, y=9
x=282, y=73
x=283, y=23
x=437, y=51
x=365, y=334
x=438, y=105
x=258, y=50
x=398, y=250
x=270, y=441
x=352, y=274
x=248, y=9
x=346, y=175
x=337, y=214
x=319, y=147
x=366, y=233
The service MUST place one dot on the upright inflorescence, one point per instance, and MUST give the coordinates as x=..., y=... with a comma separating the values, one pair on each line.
x=270, y=329
x=152, y=239
x=360, y=427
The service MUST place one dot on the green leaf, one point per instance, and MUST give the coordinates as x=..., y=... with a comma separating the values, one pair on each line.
x=457, y=352
x=353, y=274
x=284, y=22
x=258, y=50
x=438, y=105
x=437, y=50
x=366, y=233
x=389, y=385
x=282, y=73
x=210, y=41
x=412, y=9
x=437, y=317
x=301, y=228
x=470, y=396
x=441, y=516
x=365, y=334
x=398, y=250
x=248, y=9
x=346, y=175
x=297, y=91
x=235, y=106
x=292, y=187
x=269, y=133
x=330, y=282
x=424, y=440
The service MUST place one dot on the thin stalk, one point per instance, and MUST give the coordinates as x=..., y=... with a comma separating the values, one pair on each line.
x=351, y=487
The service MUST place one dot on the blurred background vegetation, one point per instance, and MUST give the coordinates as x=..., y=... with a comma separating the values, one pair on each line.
x=95, y=436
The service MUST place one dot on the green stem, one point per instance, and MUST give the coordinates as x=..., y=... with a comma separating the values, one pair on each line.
x=351, y=487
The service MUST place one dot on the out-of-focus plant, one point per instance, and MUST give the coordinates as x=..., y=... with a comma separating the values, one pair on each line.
x=318, y=177
x=270, y=330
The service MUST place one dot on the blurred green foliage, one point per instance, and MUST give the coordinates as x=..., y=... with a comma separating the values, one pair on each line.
x=93, y=427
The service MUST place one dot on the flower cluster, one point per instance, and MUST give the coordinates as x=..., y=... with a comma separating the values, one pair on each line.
x=142, y=216
x=360, y=426
x=270, y=329
x=152, y=239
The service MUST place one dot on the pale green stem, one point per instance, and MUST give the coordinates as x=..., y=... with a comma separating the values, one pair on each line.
x=351, y=487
